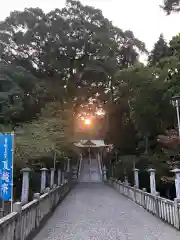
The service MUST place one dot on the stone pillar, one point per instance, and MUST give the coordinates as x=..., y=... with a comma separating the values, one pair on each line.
x=36, y=196
x=136, y=177
x=62, y=181
x=17, y=232
x=68, y=171
x=104, y=173
x=43, y=179
x=25, y=185
x=152, y=181
x=176, y=212
x=59, y=177
x=99, y=156
x=68, y=165
x=52, y=177
x=47, y=190
x=126, y=180
x=144, y=197
x=74, y=173
x=177, y=182
x=17, y=207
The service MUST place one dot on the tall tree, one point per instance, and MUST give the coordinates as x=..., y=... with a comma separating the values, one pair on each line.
x=63, y=43
x=75, y=52
x=159, y=51
x=171, y=6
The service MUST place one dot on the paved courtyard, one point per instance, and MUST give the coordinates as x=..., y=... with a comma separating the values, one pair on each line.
x=94, y=211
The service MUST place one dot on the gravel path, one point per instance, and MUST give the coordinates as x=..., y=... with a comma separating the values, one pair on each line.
x=94, y=211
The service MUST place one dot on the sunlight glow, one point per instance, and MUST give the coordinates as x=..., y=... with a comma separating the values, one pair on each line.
x=87, y=121
x=100, y=112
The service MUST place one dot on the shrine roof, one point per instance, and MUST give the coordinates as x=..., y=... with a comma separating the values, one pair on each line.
x=91, y=143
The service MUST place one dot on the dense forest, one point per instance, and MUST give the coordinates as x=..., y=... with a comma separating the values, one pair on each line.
x=53, y=64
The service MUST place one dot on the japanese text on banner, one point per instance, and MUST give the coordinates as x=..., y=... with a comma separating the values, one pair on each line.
x=6, y=161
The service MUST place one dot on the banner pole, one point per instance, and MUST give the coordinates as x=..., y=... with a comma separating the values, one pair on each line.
x=12, y=134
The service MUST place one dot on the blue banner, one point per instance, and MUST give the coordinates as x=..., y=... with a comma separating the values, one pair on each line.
x=6, y=166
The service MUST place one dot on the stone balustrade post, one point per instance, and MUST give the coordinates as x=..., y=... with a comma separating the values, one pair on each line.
x=62, y=181
x=104, y=173
x=99, y=156
x=136, y=177
x=25, y=185
x=47, y=190
x=119, y=186
x=18, y=233
x=59, y=177
x=68, y=165
x=1, y=212
x=152, y=181
x=17, y=207
x=144, y=197
x=177, y=182
x=126, y=180
x=74, y=173
x=36, y=196
x=157, y=203
x=176, y=212
x=43, y=179
x=52, y=177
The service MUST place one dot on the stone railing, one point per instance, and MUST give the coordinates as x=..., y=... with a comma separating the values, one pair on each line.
x=25, y=221
x=100, y=165
x=79, y=167
x=167, y=210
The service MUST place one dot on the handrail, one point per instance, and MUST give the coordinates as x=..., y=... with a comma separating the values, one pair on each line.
x=165, y=209
x=26, y=220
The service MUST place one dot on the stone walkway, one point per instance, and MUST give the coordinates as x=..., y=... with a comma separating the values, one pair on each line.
x=94, y=211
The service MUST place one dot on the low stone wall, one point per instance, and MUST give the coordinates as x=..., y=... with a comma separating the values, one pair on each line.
x=165, y=209
x=26, y=221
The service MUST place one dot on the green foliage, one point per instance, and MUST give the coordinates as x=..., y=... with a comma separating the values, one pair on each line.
x=159, y=51
x=171, y=6
x=51, y=132
x=76, y=47
x=56, y=62
x=150, y=103
x=141, y=104
x=67, y=56
x=143, y=93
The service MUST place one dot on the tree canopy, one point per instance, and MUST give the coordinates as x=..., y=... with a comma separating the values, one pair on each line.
x=60, y=64
x=58, y=61
x=171, y=6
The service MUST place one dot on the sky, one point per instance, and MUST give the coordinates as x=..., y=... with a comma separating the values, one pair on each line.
x=143, y=17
